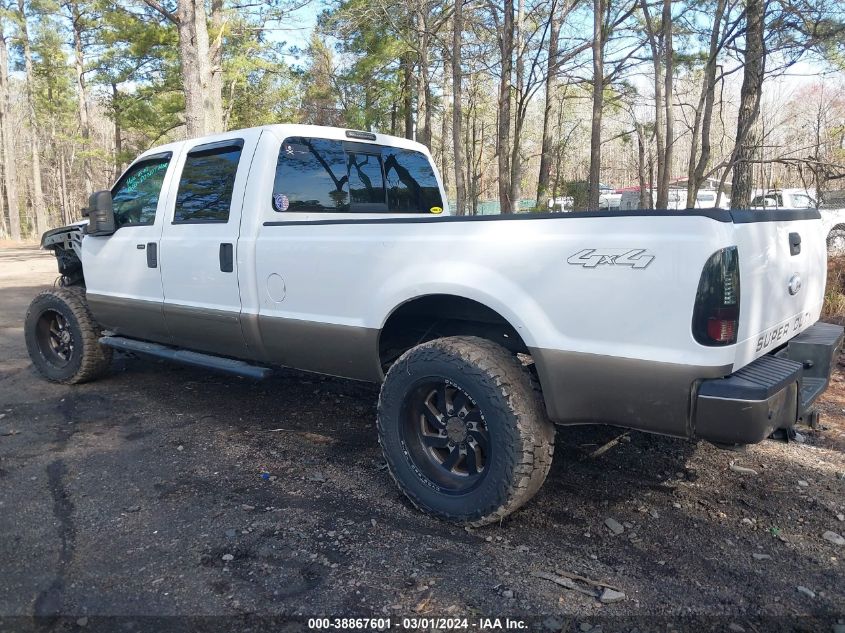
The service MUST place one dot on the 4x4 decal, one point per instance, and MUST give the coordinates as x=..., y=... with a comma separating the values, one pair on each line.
x=592, y=257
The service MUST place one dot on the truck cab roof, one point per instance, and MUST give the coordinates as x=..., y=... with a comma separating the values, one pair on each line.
x=286, y=130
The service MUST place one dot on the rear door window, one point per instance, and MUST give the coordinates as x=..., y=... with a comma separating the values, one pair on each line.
x=135, y=196
x=208, y=178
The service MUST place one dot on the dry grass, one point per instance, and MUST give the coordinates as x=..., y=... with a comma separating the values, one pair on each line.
x=834, y=296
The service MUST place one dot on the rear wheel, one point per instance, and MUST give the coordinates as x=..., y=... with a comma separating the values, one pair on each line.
x=464, y=430
x=836, y=241
x=62, y=337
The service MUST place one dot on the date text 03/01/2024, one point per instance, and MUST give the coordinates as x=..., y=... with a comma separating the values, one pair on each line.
x=417, y=623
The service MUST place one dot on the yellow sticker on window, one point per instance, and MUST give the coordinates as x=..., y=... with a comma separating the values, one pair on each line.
x=436, y=210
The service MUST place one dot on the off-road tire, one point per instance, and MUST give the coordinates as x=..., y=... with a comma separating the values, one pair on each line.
x=89, y=359
x=836, y=241
x=520, y=434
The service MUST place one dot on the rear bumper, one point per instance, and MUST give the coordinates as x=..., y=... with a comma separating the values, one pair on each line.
x=770, y=393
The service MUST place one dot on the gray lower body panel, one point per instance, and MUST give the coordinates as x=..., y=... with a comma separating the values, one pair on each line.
x=135, y=318
x=651, y=396
x=214, y=331
x=325, y=348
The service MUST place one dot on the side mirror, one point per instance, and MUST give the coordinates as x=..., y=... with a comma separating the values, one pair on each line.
x=100, y=214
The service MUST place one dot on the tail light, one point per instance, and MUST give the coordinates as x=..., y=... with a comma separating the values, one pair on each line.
x=715, y=318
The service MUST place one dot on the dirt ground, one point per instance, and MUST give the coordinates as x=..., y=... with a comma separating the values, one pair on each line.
x=142, y=495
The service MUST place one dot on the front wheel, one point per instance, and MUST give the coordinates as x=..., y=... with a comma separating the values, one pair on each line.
x=62, y=337
x=464, y=430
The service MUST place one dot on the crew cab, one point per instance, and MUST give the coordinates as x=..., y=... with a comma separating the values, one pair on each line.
x=334, y=251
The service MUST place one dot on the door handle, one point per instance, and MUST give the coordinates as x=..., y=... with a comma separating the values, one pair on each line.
x=794, y=243
x=152, y=254
x=227, y=258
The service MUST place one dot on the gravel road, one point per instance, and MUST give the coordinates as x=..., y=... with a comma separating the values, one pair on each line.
x=142, y=495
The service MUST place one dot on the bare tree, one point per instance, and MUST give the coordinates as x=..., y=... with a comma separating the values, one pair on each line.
x=457, y=111
x=42, y=221
x=544, y=178
x=10, y=172
x=721, y=31
x=608, y=16
x=599, y=40
x=503, y=137
x=78, y=27
x=660, y=42
x=754, y=71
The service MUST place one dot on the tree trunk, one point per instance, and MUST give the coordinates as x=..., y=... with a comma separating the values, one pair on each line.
x=457, y=114
x=521, y=107
x=63, y=194
x=749, y=104
x=10, y=173
x=598, y=104
x=79, y=65
x=668, y=93
x=704, y=113
x=215, y=113
x=202, y=80
x=191, y=84
x=503, y=140
x=42, y=220
x=118, y=132
x=657, y=45
x=645, y=196
x=546, y=150
x=424, y=97
x=408, y=68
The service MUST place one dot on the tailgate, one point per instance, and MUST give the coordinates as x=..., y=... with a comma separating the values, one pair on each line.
x=783, y=270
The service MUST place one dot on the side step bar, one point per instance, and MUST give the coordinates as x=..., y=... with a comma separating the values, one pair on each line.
x=186, y=357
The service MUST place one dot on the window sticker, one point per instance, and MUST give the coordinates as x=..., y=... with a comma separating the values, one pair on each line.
x=436, y=210
x=280, y=202
x=142, y=175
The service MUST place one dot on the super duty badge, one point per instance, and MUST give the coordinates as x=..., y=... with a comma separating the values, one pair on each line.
x=592, y=257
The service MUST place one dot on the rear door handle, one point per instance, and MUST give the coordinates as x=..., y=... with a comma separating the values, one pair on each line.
x=152, y=254
x=794, y=243
x=227, y=258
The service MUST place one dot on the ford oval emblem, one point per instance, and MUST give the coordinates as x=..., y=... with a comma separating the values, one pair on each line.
x=794, y=284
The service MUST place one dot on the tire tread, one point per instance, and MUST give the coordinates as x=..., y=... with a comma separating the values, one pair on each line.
x=96, y=358
x=531, y=445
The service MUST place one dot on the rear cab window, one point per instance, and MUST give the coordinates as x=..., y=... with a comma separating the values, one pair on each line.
x=333, y=176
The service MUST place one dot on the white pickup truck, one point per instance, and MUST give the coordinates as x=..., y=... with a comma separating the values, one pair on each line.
x=333, y=251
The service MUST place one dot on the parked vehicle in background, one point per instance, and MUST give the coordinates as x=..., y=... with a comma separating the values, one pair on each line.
x=832, y=211
x=784, y=199
x=609, y=200
x=706, y=199
x=561, y=204
x=333, y=251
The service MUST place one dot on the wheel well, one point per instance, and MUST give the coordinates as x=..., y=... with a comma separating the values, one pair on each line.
x=435, y=316
x=66, y=244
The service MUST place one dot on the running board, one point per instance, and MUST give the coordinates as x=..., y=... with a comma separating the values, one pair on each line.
x=186, y=357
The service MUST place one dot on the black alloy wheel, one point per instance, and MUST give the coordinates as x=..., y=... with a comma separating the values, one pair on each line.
x=446, y=436
x=55, y=338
